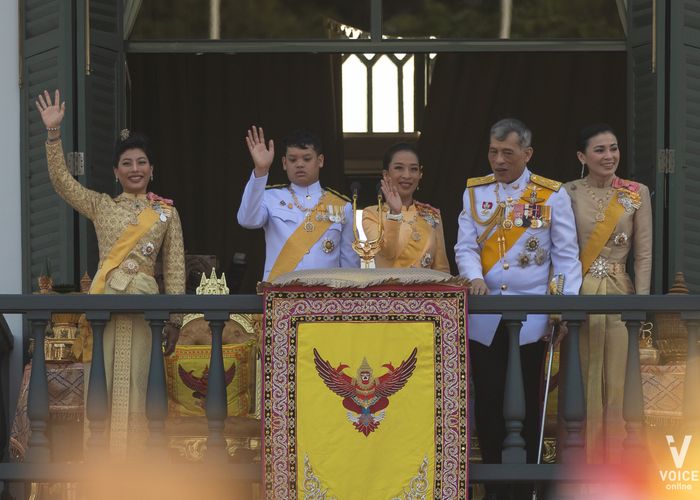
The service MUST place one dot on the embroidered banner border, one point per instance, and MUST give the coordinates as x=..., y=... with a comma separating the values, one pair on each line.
x=286, y=307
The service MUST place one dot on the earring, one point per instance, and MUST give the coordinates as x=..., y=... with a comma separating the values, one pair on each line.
x=583, y=167
x=418, y=187
x=116, y=180
x=151, y=176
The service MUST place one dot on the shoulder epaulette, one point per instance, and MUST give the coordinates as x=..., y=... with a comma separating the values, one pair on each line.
x=480, y=181
x=339, y=195
x=276, y=186
x=426, y=207
x=619, y=183
x=544, y=182
x=155, y=198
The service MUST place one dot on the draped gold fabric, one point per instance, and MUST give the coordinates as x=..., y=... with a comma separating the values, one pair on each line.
x=604, y=337
x=127, y=338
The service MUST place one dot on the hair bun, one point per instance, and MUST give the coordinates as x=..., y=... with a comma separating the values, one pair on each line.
x=124, y=134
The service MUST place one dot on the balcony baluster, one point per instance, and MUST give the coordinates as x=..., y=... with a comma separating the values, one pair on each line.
x=216, y=404
x=38, y=399
x=633, y=402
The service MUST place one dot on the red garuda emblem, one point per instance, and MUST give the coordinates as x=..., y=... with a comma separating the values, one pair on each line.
x=199, y=384
x=365, y=397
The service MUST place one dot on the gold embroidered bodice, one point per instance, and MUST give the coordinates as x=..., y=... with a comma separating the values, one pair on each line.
x=111, y=216
x=429, y=254
x=632, y=234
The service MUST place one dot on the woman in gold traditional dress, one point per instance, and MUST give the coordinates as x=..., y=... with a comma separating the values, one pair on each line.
x=413, y=235
x=613, y=217
x=132, y=229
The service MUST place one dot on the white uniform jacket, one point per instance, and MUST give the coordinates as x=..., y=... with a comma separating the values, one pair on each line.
x=275, y=211
x=525, y=267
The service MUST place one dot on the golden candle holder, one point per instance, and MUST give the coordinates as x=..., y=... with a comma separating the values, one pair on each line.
x=367, y=249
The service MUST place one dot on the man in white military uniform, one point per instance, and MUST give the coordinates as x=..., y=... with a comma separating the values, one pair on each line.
x=306, y=227
x=516, y=228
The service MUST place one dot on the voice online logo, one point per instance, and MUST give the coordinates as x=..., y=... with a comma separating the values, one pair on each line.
x=680, y=478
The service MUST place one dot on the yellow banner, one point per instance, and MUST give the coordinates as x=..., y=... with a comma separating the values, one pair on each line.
x=334, y=444
x=601, y=234
x=187, y=373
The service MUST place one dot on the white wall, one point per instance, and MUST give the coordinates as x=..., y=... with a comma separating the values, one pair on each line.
x=10, y=198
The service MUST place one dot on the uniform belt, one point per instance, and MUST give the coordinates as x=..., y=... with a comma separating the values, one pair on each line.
x=602, y=267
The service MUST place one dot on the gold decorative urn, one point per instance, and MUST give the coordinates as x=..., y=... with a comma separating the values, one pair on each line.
x=672, y=336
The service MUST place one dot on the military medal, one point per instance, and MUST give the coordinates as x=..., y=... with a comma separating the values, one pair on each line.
x=532, y=243
x=540, y=256
x=507, y=224
x=620, y=239
x=486, y=206
x=147, y=248
x=518, y=212
x=308, y=225
x=327, y=245
x=523, y=259
x=283, y=204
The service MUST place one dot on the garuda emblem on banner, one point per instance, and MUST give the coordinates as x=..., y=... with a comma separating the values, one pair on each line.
x=365, y=397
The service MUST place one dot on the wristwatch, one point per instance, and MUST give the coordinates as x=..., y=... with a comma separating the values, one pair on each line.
x=396, y=217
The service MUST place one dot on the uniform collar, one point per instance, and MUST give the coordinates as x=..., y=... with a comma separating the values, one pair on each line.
x=312, y=189
x=518, y=183
x=131, y=197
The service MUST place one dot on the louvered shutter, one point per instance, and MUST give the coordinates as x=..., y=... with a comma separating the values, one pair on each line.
x=100, y=87
x=47, y=222
x=684, y=138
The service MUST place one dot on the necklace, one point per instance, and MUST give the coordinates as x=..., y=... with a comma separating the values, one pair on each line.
x=308, y=225
x=601, y=203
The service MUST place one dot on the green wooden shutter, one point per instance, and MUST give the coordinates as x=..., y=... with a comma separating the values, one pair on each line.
x=47, y=221
x=684, y=138
x=100, y=88
x=646, y=116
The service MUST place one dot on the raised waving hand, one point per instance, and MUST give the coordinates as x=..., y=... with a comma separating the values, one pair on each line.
x=51, y=112
x=262, y=154
x=391, y=195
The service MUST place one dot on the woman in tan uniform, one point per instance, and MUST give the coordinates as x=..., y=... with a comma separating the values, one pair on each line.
x=132, y=229
x=613, y=217
x=413, y=235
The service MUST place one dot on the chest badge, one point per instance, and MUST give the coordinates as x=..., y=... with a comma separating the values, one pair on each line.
x=327, y=245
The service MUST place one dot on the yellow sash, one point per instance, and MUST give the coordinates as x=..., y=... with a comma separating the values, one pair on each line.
x=302, y=240
x=601, y=234
x=123, y=246
x=413, y=250
x=506, y=238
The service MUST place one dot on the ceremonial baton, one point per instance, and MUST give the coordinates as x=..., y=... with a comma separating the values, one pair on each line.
x=556, y=287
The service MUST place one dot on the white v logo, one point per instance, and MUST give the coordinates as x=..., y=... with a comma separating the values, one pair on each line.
x=678, y=458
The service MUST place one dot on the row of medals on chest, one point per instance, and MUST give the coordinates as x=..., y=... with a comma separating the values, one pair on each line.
x=529, y=214
x=163, y=211
x=331, y=213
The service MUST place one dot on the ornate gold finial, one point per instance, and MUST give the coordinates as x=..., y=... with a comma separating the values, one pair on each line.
x=124, y=134
x=679, y=287
x=213, y=285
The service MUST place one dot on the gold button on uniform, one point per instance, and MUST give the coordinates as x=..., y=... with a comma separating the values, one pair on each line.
x=504, y=287
x=506, y=266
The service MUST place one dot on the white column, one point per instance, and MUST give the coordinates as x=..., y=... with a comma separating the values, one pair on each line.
x=10, y=191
